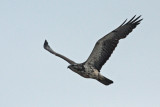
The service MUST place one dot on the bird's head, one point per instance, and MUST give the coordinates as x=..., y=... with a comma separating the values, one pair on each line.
x=75, y=67
x=72, y=66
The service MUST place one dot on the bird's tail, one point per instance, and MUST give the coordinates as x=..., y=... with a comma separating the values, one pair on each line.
x=104, y=80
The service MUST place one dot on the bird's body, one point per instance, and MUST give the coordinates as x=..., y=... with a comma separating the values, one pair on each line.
x=89, y=72
x=101, y=52
x=84, y=71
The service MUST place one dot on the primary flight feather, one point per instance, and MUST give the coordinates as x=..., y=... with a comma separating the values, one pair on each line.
x=101, y=52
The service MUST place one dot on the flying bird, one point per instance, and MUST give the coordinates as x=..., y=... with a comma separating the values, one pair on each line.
x=101, y=52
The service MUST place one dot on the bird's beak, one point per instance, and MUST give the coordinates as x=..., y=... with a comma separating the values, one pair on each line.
x=69, y=66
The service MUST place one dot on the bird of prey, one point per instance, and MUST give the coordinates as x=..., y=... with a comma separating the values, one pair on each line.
x=101, y=52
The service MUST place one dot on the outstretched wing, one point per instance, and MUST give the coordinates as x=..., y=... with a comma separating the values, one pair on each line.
x=106, y=45
x=48, y=48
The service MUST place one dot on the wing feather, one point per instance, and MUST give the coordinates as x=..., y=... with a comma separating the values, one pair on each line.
x=48, y=48
x=105, y=46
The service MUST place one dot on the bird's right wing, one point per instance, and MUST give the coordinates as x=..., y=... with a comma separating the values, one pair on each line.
x=48, y=48
x=106, y=45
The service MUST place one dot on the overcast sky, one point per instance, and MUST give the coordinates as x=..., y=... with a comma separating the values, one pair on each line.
x=32, y=77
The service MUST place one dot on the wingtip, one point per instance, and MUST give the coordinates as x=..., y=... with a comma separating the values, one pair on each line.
x=123, y=23
x=140, y=17
x=134, y=16
x=45, y=43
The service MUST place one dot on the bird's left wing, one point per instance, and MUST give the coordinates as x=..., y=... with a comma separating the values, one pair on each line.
x=106, y=45
x=48, y=48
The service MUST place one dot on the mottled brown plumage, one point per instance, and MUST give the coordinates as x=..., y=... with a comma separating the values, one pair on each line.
x=100, y=53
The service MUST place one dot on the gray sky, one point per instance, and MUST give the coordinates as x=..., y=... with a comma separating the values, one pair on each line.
x=32, y=77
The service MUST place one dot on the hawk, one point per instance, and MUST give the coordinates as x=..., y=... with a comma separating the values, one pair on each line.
x=101, y=52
